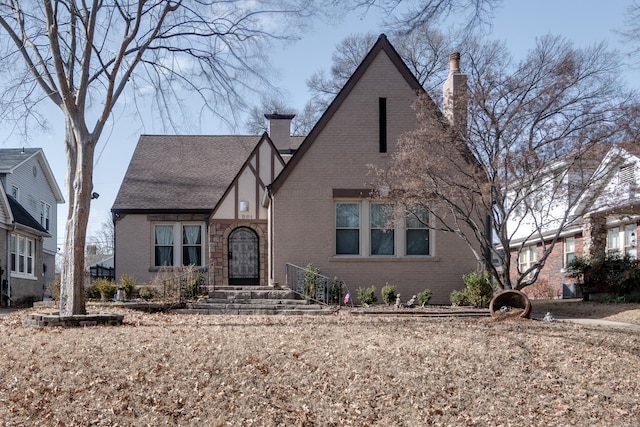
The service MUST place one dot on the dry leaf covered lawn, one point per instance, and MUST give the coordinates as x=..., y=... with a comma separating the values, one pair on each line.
x=342, y=370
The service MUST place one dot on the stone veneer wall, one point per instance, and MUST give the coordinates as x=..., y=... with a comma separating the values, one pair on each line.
x=219, y=231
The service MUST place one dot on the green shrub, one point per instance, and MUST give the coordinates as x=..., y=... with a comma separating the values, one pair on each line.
x=93, y=292
x=478, y=288
x=388, y=293
x=128, y=283
x=147, y=293
x=424, y=297
x=367, y=296
x=107, y=289
x=458, y=298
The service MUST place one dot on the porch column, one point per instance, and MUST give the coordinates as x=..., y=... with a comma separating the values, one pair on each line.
x=594, y=233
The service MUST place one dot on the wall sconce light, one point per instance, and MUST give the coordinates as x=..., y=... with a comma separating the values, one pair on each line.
x=633, y=239
x=244, y=206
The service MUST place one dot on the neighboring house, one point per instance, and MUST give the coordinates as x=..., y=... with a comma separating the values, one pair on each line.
x=605, y=223
x=28, y=218
x=232, y=206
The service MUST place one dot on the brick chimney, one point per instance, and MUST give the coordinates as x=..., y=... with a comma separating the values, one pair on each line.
x=280, y=131
x=454, y=95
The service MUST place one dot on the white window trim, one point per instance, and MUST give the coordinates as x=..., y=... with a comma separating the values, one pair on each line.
x=177, y=243
x=568, y=252
x=18, y=274
x=45, y=220
x=365, y=235
x=15, y=189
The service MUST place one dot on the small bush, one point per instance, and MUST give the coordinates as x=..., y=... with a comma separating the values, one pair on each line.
x=367, y=296
x=147, y=293
x=424, y=297
x=128, y=283
x=107, y=289
x=53, y=289
x=336, y=291
x=388, y=293
x=310, y=281
x=93, y=292
x=458, y=298
x=478, y=289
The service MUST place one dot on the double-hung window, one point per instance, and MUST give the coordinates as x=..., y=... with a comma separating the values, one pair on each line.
x=177, y=244
x=630, y=241
x=613, y=242
x=163, y=245
x=382, y=232
x=191, y=245
x=417, y=232
x=569, y=250
x=347, y=228
x=22, y=251
x=45, y=215
x=527, y=258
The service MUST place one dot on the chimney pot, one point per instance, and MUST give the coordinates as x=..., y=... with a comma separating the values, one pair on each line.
x=454, y=62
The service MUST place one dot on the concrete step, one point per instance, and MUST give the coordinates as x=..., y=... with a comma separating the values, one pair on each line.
x=209, y=301
x=252, y=293
x=252, y=310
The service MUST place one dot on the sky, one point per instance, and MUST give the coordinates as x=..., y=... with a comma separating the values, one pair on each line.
x=583, y=22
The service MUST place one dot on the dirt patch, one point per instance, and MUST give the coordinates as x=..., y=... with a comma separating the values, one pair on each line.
x=189, y=370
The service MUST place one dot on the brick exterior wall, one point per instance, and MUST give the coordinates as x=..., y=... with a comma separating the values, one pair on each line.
x=553, y=275
x=340, y=158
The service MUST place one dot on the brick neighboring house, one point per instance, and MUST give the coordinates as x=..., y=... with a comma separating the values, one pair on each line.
x=28, y=216
x=256, y=215
x=606, y=224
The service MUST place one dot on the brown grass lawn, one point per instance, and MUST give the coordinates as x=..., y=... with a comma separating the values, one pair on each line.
x=341, y=370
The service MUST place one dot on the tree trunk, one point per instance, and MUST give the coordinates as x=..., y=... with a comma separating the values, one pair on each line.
x=79, y=188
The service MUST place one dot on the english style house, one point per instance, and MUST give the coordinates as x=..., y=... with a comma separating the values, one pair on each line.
x=28, y=218
x=245, y=207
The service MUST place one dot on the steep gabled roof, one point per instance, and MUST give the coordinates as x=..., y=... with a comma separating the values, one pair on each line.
x=24, y=220
x=12, y=158
x=381, y=45
x=181, y=173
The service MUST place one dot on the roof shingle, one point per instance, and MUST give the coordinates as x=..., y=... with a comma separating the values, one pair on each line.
x=182, y=172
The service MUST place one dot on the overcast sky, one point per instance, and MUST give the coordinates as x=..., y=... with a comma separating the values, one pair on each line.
x=517, y=22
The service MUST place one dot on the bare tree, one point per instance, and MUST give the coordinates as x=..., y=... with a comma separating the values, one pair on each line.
x=631, y=32
x=406, y=15
x=104, y=238
x=536, y=131
x=84, y=57
x=424, y=51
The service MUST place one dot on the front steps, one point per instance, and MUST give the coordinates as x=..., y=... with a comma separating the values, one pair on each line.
x=254, y=300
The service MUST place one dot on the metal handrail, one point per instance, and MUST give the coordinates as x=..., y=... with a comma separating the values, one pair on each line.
x=314, y=286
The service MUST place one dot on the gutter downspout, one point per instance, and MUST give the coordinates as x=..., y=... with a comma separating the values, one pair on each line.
x=269, y=200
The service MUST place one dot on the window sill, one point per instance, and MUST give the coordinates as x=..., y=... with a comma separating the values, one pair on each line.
x=15, y=275
x=384, y=258
x=175, y=268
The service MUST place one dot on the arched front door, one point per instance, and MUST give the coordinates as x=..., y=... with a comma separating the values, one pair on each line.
x=244, y=260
